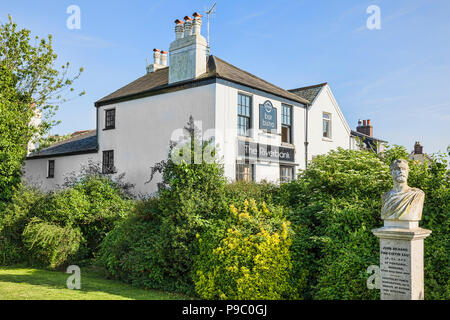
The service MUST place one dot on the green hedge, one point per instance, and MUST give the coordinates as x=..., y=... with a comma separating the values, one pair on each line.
x=83, y=212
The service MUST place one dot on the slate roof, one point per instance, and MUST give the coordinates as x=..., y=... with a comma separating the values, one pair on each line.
x=216, y=68
x=309, y=93
x=82, y=143
x=365, y=136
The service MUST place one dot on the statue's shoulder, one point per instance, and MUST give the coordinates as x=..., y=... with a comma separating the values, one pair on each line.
x=418, y=191
x=386, y=195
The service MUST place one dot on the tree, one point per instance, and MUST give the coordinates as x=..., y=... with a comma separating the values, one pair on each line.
x=30, y=86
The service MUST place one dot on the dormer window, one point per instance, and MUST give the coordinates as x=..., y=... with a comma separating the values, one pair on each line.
x=110, y=119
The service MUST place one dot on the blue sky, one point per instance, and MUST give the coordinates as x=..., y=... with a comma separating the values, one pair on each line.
x=399, y=76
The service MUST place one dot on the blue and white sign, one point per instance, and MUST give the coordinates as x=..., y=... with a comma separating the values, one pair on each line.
x=267, y=116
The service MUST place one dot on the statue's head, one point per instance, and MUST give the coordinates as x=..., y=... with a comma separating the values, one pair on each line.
x=399, y=170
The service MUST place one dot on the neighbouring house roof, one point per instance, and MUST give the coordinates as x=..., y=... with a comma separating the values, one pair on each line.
x=85, y=142
x=158, y=82
x=309, y=93
x=420, y=157
x=366, y=137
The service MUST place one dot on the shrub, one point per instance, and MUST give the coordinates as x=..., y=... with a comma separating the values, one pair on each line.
x=336, y=203
x=246, y=257
x=237, y=192
x=92, y=205
x=191, y=196
x=49, y=244
x=130, y=252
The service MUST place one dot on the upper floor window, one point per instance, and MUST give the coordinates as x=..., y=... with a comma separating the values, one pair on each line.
x=108, y=162
x=51, y=169
x=286, y=124
x=244, y=115
x=110, y=119
x=326, y=125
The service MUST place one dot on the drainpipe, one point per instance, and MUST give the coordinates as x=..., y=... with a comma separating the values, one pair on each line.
x=306, y=136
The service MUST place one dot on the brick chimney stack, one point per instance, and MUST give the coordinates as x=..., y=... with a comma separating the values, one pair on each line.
x=366, y=127
x=418, y=149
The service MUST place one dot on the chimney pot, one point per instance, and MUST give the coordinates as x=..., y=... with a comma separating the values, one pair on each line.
x=156, y=56
x=197, y=24
x=187, y=26
x=368, y=122
x=364, y=123
x=164, y=58
x=179, y=29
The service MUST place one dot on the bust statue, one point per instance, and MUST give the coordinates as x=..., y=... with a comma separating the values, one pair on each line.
x=402, y=203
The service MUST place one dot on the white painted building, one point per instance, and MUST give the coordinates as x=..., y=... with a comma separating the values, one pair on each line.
x=262, y=132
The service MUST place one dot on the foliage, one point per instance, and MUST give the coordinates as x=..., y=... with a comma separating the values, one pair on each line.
x=249, y=259
x=237, y=192
x=45, y=142
x=50, y=244
x=191, y=195
x=434, y=180
x=30, y=86
x=93, y=205
x=334, y=205
x=130, y=251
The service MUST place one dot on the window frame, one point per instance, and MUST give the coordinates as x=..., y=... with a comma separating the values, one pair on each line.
x=285, y=125
x=50, y=169
x=329, y=120
x=291, y=169
x=113, y=125
x=245, y=116
x=107, y=155
x=241, y=176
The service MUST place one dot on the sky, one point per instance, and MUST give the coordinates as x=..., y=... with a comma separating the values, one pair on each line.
x=398, y=75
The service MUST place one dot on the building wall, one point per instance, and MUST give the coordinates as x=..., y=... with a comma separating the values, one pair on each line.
x=144, y=129
x=227, y=136
x=36, y=170
x=340, y=131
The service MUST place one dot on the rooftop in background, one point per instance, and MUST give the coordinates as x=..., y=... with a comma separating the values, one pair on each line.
x=418, y=155
x=156, y=82
x=309, y=93
x=81, y=142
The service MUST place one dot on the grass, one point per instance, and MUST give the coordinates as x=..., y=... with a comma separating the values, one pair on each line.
x=17, y=283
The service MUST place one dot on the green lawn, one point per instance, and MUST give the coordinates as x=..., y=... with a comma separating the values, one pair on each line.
x=34, y=284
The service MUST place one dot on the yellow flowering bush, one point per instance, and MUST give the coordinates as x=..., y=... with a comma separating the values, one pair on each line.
x=246, y=257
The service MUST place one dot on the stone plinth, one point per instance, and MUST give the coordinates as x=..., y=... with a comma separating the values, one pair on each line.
x=401, y=260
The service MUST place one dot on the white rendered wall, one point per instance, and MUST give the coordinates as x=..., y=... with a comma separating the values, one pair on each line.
x=144, y=128
x=226, y=124
x=340, y=131
x=36, y=170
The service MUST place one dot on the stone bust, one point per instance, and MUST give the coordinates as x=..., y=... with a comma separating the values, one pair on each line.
x=402, y=203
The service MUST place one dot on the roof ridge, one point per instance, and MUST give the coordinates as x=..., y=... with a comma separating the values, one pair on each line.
x=251, y=74
x=310, y=87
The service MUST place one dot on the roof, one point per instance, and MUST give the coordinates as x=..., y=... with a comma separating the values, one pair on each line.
x=81, y=143
x=153, y=82
x=309, y=93
x=365, y=136
x=421, y=157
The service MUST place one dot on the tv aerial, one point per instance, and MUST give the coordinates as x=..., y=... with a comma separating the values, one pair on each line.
x=209, y=12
